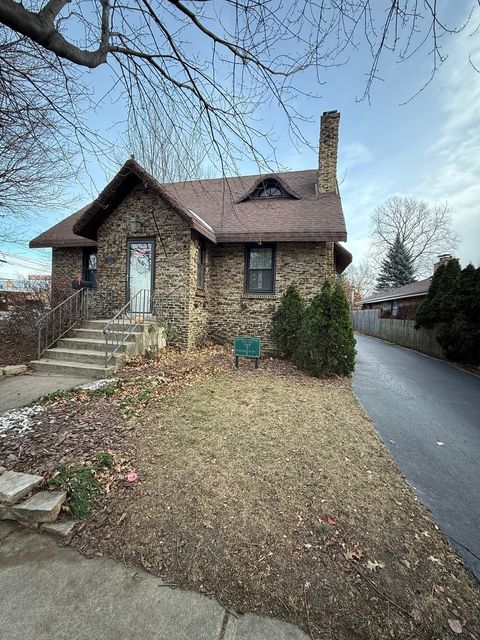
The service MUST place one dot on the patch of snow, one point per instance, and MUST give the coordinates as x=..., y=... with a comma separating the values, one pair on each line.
x=19, y=420
x=98, y=384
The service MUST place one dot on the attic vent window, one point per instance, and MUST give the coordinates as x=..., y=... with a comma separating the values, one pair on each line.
x=269, y=189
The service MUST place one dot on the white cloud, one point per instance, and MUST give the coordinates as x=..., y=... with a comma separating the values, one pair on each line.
x=454, y=172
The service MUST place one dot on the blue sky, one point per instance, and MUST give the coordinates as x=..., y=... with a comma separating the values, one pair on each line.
x=428, y=147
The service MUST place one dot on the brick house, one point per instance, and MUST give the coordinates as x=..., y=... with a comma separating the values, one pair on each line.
x=402, y=302
x=215, y=255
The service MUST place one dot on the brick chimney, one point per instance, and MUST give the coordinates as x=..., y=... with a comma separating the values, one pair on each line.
x=327, y=153
x=442, y=258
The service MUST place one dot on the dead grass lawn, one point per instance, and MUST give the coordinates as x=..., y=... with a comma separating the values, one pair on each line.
x=239, y=475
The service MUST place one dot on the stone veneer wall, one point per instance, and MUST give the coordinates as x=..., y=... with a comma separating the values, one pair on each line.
x=172, y=257
x=233, y=312
x=199, y=300
x=67, y=264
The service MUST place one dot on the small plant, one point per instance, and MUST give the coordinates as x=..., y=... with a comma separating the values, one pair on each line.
x=56, y=395
x=103, y=392
x=81, y=486
x=105, y=460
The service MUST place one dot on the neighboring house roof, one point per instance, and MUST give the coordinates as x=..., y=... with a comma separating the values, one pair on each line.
x=216, y=208
x=419, y=288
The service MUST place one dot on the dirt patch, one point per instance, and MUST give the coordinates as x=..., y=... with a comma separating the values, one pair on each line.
x=272, y=491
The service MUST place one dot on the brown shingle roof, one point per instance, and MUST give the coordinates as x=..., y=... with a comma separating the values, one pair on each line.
x=418, y=288
x=61, y=234
x=213, y=208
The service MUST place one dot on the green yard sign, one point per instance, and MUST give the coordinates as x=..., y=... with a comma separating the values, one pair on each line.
x=247, y=347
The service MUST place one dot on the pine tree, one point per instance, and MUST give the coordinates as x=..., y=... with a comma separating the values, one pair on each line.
x=286, y=321
x=397, y=267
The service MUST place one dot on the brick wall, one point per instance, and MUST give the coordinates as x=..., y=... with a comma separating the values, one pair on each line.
x=67, y=264
x=232, y=312
x=327, y=152
x=199, y=300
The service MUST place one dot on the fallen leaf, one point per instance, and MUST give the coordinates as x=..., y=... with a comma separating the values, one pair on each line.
x=353, y=554
x=433, y=559
x=416, y=615
x=405, y=563
x=455, y=625
x=373, y=566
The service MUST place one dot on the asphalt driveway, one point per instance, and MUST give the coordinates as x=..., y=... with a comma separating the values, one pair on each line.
x=428, y=414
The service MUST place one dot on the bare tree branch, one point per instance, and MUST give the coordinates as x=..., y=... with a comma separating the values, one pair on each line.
x=424, y=229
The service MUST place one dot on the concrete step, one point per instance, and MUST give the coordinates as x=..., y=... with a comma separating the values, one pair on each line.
x=14, y=486
x=116, y=326
x=97, y=334
x=83, y=355
x=61, y=529
x=43, y=506
x=90, y=344
x=78, y=369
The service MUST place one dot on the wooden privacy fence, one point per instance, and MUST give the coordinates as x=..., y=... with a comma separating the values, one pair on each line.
x=401, y=332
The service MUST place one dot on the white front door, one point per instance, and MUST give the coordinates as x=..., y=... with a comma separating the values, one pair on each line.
x=141, y=260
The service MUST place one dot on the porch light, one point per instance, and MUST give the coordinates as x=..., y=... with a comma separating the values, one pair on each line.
x=135, y=225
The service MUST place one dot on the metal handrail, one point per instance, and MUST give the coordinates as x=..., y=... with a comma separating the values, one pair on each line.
x=57, y=322
x=125, y=321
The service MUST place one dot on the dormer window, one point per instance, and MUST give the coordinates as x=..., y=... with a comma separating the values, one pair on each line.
x=269, y=189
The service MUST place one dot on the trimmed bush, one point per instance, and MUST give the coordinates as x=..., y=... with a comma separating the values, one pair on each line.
x=326, y=344
x=286, y=322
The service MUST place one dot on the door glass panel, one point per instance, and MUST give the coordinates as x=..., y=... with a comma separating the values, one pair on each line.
x=140, y=256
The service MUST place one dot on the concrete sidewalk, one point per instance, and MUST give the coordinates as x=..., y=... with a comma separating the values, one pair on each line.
x=48, y=592
x=17, y=391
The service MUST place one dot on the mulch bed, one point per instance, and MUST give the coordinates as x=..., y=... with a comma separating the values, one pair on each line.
x=267, y=489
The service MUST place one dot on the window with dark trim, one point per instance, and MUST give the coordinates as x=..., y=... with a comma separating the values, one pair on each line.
x=260, y=269
x=90, y=266
x=269, y=188
x=201, y=265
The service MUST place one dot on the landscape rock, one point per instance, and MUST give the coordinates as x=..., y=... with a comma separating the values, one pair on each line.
x=5, y=512
x=14, y=369
x=15, y=485
x=61, y=529
x=2, y=470
x=44, y=506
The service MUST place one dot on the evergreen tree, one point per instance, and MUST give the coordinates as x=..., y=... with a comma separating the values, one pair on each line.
x=439, y=303
x=326, y=345
x=397, y=268
x=286, y=321
x=452, y=310
x=459, y=330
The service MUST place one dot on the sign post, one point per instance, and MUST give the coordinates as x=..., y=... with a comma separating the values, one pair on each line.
x=247, y=347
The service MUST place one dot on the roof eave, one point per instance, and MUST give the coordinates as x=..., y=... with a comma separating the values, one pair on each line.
x=394, y=297
x=282, y=236
x=39, y=243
